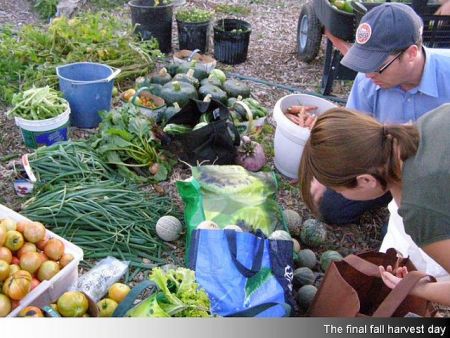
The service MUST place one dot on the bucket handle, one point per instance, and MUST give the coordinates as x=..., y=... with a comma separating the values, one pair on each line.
x=116, y=71
x=195, y=51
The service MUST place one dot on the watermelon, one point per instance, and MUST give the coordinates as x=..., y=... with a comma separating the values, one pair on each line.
x=329, y=256
x=304, y=276
x=305, y=296
x=306, y=258
x=280, y=235
x=313, y=233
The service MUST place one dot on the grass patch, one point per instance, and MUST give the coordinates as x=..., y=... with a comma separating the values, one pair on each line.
x=232, y=9
x=108, y=4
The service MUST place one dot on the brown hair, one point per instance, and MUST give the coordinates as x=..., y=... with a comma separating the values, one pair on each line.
x=345, y=144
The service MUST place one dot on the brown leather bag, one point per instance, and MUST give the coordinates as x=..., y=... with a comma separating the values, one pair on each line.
x=353, y=288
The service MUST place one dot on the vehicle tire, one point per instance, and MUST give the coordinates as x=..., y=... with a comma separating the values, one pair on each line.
x=309, y=33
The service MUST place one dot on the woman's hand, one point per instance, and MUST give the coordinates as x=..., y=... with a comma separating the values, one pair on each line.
x=388, y=277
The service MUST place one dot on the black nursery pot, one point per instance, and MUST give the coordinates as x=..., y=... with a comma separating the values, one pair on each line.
x=193, y=36
x=152, y=21
x=231, y=47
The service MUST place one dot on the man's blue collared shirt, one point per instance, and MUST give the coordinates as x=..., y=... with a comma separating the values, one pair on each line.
x=395, y=105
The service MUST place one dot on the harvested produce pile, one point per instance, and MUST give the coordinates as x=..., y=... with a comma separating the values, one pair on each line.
x=81, y=200
x=30, y=56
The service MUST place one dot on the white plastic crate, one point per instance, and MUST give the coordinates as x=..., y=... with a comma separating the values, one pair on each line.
x=48, y=291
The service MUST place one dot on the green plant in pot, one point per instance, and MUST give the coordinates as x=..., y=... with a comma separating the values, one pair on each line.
x=193, y=28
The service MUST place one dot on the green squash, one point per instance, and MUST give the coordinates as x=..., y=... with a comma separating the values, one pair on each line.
x=304, y=276
x=188, y=77
x=215, y=92
x=180, y=92
x=236, y=88
x=166, y=114
x=162, y=77
x=306, y=258
x=172, y=69
x=329, y=256
x=305, y=296
x=211, y=81
x=153, y=88
x=199, y=72
x=294, y=221
x=313, y=233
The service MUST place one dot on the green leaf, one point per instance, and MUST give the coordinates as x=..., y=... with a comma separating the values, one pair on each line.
x=139, y=126
x=121, y=132
x=255, y=282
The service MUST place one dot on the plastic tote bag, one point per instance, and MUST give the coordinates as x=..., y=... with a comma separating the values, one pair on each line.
x=244, y=274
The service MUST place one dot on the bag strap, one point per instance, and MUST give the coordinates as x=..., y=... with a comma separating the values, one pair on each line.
x=362, y=265
x=257, y=259
x=128, y=302
x=399, y=293
x=256, y=310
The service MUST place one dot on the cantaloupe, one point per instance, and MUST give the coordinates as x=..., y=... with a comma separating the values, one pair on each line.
x=280, y=235
x=168, y=228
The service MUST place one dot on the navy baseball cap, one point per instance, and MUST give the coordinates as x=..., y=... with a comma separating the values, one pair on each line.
x=384, y=29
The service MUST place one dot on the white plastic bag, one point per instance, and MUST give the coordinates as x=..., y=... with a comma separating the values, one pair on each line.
x=397, y=238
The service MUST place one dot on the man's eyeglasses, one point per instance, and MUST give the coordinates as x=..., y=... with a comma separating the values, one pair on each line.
x=383, y=68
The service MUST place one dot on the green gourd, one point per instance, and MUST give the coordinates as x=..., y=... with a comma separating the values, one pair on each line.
x=188, y=77
x=172, y=69
x=236, y=88
x=304, y=276
x=313, y=233
x=329, y=256
x=215, y=92
x=176, y=91
x=162, y=77
x=211, y=81
x=306, y=258
x=305, y=296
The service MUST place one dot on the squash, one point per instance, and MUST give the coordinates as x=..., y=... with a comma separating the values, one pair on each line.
x=168, y=228
x=180, y=92
x=280, y=235
x=236, y=88
x=211, y=81
x=306, y=258
x=329, y=256
x=172, y=69
x=188, y=77
x=305, y=296
x=215, y=92
x=294, y=221
x=304, y=276
x=233, y=227
x=199, y=72
x=166, y=114
x=313, y=233
x=162, y=77
x=296, y=245
x=218, y=75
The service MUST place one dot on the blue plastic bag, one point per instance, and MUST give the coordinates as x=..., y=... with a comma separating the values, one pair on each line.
x=244, y=274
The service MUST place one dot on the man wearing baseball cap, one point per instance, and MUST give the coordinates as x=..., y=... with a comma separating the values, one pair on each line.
x=399, y=80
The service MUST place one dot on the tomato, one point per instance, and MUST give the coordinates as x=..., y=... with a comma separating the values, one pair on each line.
x=34, y=283
x=106, y=307
x=65, y=259
x=18, y=285
x=20, y=226
x=8, y=223
x=14, y=240
x=13, y=268
x=30, y=261
x=2, y=235
x=34, y=232
x=4, y=270
x=27, y=247
x=54, y=249
x=118, y=292
x=15, y=260
x=5, y=255
x=47, y=270
x=41, y=244
x=31, y=311
x=5, y=305
x=72, y=304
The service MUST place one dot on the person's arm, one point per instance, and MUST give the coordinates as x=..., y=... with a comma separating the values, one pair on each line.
x=437, y=292
x=439, y=251
x=444, y=9
x=338, y=43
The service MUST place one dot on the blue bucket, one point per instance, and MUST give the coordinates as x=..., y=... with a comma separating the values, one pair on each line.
x=88, y=88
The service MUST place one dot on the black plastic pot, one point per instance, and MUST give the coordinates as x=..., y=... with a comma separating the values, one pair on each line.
x=193, y=35
x=231, y=47
x=152, y=21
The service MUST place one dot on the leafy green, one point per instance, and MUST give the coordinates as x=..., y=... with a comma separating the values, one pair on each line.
x=178, y=295
x=126, y=140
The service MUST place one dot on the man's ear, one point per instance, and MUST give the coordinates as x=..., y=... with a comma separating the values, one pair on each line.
x=367, y=181
x=412, y=52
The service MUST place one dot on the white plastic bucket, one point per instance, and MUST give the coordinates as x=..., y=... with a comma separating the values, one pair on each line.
x=290, y=138
x=36, y=133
